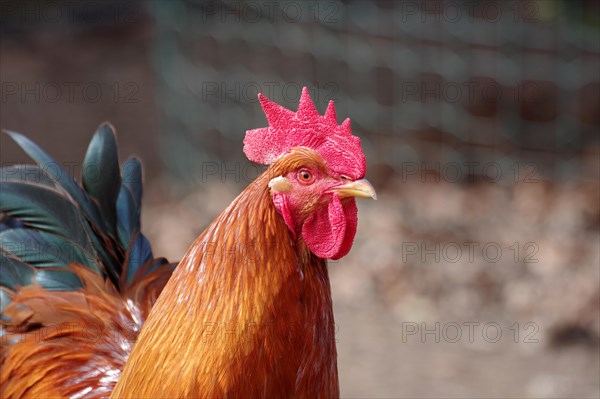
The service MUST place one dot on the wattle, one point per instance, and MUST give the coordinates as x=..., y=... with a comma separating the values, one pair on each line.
x=329, y=232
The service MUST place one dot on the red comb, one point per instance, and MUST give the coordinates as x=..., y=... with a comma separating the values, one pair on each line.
x=306, y=128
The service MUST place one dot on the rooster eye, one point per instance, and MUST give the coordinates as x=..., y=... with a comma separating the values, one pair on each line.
x=304, y=176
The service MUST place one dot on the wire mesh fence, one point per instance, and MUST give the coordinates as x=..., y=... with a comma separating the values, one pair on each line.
x=464, y=90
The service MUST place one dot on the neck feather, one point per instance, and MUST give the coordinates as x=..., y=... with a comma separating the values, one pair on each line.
x=247, y=313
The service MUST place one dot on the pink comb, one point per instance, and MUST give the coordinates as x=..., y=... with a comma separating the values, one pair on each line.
x=306, y=128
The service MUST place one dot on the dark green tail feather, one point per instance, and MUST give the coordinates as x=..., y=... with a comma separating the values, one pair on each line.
x=48, y=220
x=101, y=177
x=43, y=250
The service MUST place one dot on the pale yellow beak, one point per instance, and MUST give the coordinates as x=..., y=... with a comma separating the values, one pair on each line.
x=359, y=188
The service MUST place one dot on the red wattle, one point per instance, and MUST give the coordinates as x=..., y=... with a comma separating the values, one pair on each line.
x=329, y=232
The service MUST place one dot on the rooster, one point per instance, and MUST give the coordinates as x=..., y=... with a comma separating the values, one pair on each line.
x=247, y=312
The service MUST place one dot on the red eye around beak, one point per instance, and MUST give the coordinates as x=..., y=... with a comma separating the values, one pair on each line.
x=305, y=176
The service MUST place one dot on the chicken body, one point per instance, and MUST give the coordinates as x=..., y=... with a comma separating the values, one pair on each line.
x=247, y=313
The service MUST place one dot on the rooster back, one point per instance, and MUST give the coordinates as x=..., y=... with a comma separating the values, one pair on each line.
x=77, y=276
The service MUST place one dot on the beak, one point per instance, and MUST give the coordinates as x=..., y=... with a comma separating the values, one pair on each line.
x=359, y=188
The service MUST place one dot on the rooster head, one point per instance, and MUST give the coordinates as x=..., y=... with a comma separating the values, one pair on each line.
x=317, y=169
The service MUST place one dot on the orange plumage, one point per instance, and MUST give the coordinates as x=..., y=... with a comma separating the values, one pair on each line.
x=72, y=344
x=246, y=314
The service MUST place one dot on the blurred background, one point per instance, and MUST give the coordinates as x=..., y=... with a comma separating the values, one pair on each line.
x=476, y=273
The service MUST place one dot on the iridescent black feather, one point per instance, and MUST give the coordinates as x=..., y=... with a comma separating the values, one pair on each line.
x=49, y=221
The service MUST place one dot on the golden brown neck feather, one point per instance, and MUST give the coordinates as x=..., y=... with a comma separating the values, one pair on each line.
x=247, y=313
